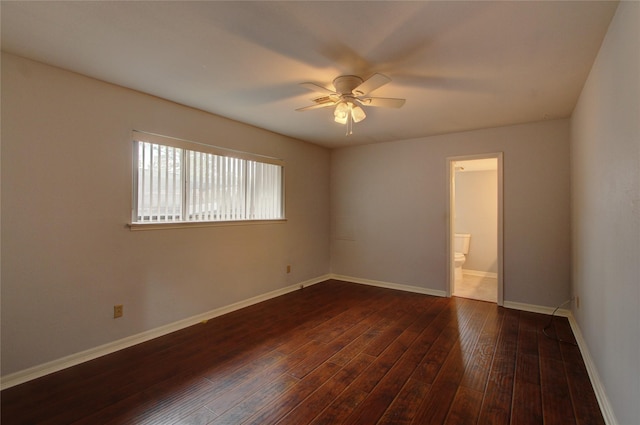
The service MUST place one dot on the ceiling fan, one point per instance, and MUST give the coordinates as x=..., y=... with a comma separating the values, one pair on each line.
x=351, y=93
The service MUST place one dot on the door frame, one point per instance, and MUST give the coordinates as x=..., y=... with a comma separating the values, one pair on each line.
x=451, y=208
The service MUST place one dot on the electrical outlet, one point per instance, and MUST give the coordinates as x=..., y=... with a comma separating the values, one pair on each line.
x=117, y=311
x=289, y=268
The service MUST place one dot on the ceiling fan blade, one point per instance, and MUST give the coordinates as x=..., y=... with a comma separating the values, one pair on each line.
x=374, y=82
x=384, y=102
x=317, y=88
x=317, y=106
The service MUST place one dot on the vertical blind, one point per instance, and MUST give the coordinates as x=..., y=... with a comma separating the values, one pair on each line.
x=181, y=183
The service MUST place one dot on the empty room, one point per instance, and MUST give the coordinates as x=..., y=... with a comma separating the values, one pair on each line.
x=301, y=212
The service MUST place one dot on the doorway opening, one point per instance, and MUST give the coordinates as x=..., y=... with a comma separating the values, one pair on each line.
x=474, y=237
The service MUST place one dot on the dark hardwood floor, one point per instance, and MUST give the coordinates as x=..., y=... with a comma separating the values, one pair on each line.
x=332, y=353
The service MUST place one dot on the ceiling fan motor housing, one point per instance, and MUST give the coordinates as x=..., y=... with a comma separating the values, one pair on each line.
x=346, y=83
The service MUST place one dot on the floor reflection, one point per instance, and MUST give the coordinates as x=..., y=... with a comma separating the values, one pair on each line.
x=478, y=288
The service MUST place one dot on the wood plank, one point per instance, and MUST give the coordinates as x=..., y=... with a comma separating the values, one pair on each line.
x=306, y=411
x=557, y=408
x=465, y=407
x=448, y=379
x=326, y=351
x=254, y=403
x=288, y=400
x=229, y=392
x=341, y=407
x=548, y=347
x=435, y=406
x=163, y=403
x=527, y=398
x=431, y=364
x=527, y=404
x=354, y=348
x=496, y=406
x=477, y=370
x=202, y=416
x=405, y=405
x=383, y=394
x=410, y=346
x=382, y=364
x=585, y=404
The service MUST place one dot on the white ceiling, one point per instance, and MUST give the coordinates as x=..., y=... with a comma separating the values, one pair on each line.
x=460, y=65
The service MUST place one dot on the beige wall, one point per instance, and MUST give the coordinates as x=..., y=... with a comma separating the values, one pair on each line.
x=477, y=214
x=605, y=164
x=389, y=209
x=67, y=255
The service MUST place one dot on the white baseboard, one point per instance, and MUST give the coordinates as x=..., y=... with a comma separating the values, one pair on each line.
x=38, y=371
x=598, y=386
x=480, y=273
x=536, y=308
x=390, y=285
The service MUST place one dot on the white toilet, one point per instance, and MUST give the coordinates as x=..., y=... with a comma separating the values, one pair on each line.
x=461, y=247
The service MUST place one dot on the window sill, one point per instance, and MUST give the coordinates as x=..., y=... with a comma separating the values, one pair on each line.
x=197, y=224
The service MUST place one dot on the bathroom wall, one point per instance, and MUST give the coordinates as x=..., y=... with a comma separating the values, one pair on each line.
x=477, y=214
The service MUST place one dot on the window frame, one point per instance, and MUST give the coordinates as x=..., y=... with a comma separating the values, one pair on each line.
x=185, y=145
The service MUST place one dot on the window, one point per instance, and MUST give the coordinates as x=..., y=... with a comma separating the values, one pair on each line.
x=176, y=181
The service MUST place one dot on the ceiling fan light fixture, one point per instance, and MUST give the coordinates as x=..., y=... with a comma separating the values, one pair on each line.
x=341, y=113
x=340, y=119
x=358, y=113
x=348, y=111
